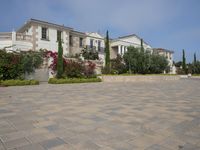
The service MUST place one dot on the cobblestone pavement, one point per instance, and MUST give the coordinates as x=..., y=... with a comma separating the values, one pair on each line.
x=101, y=116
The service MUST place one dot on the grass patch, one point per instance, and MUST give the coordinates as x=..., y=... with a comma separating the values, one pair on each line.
x=127, y=74
x=18, y=82
x=73, y=80
x=195, y=74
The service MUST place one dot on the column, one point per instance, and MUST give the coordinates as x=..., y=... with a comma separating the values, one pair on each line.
x=119, y=49
x=123, y=50
x=14, y=38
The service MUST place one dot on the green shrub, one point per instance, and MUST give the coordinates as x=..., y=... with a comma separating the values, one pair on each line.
x=90, y=54
x=13, y=65
x=19, y=82
x=106, y=70
x=143, y=62
x=117, y=65
x=73, y=80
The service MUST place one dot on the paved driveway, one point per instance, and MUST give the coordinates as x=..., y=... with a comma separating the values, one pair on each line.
x=101, y=116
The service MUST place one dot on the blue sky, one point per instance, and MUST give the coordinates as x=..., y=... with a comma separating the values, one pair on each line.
x=170, y=24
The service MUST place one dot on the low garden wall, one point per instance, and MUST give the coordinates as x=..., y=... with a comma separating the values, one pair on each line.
x=138, y=78
x=41, y=75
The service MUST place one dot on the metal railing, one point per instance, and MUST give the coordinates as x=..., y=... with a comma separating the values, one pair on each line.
x=94, y=48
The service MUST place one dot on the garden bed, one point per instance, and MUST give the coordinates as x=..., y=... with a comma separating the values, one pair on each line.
x=18, y=82
x=73, y=80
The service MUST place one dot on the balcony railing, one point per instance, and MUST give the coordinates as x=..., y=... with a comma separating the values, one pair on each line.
x=23, y=37
x=94, y=48
x=5, y=36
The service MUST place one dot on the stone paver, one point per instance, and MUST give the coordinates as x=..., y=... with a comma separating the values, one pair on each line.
x=162, y=115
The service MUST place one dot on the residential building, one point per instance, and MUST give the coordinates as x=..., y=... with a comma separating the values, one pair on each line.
x=95, y=41
x=120, y=45
x=168, y=54
x=37, y=34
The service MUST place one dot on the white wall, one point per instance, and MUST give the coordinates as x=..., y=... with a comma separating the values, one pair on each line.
x=22, y=45
x=52, y=43
x=5, y=43
x=30, y=31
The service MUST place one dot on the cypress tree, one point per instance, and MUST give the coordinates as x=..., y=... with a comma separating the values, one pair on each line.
x=60, y=59
x=195, y=58
x=107, y=51
x=184, y=61
x=194, y=69
x=142, y=46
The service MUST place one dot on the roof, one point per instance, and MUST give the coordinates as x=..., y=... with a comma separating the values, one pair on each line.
x=94, y=35
x=78, y=33
x=163, y=50
x=45, y=23
x=130, y=35
x=121, y=37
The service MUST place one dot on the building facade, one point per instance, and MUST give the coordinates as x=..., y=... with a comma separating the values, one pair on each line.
x=37, y=34
x=95, y=41
x=120, y=45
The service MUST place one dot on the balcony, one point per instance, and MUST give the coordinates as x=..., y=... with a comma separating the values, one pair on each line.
x=14, y=41
x=100, y=50
x=23, y=37
x=5, y=36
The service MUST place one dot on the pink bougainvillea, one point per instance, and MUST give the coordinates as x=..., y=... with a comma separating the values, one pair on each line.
x=89, y=68
x=71, y=67
x=54, y=56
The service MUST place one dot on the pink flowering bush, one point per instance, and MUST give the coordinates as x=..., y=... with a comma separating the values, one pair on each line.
x=72, y=68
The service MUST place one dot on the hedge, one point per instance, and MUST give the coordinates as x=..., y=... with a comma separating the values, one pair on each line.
x=18, y=82
x=73, y=80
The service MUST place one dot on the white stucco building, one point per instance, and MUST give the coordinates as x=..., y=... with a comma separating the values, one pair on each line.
x=120, y=45
x=37, y=34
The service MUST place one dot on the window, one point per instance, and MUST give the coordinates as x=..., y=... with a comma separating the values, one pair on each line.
x=80, y=42
x=44, y=33
x=59, y=35
x=99, y=46
x=70, y=40
x=91, y=43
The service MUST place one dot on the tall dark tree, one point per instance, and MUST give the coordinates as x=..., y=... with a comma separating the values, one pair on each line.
x=142, y=46
x=184, y=62
x=60, y=59
x=195, y=58
x=143, y=59
x=107, y=51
